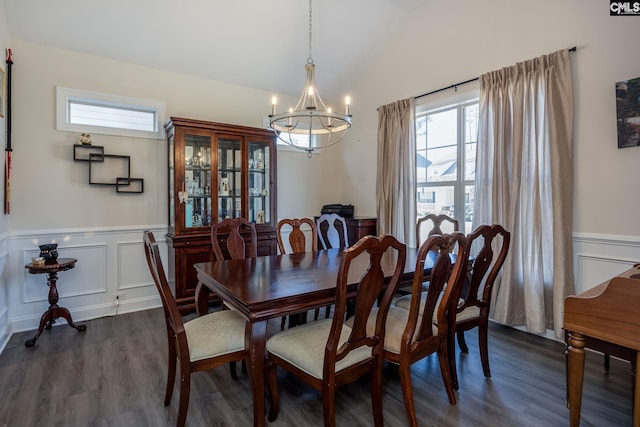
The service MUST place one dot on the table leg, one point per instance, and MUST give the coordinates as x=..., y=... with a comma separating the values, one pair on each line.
x=202, y=299
x=65, y=314
x=45, y=320
x=255, y=338
x=575, y=376
x=636, y=394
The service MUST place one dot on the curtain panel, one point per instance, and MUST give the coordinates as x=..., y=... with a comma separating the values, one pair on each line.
x=396, y=172
x=524, y=181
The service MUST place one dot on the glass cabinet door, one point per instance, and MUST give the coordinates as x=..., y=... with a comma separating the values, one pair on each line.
x=259, y=182
x=229, y=179
x=197, y=180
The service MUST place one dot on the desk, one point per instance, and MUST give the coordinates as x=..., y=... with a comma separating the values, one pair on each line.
x=269, y=287
x=606, y=313
x=54, y=311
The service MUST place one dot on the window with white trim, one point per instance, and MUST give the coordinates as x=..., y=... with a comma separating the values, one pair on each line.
x=446, y=141
x=91, y=112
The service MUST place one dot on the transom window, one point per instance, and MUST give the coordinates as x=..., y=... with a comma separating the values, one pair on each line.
x=91, y=112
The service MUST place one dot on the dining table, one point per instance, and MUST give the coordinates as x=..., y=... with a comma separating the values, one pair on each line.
x=272, y=286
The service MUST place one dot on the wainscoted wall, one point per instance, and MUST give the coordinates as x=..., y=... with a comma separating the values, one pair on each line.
x=110, y=261
x=598, y=257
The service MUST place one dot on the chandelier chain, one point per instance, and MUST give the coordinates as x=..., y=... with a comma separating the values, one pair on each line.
x=309, y=59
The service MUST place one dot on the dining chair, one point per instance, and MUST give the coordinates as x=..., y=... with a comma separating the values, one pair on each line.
x=426, y=227
x=233, y=244
x=297, y=244
x=199, y=344
x=332, y=231
x=297, y=240
x=431, y=224
x=492, y=245
x=227, y=242
x=411, y=334
x=328, y=353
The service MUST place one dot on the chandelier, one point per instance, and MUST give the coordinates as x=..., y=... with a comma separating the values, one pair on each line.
x=311, y=117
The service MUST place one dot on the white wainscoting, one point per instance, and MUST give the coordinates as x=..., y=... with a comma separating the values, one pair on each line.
x=599, y=257
x=110, y=261
x=5, y=322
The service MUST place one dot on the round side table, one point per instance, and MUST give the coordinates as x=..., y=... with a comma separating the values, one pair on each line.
x=54, y=311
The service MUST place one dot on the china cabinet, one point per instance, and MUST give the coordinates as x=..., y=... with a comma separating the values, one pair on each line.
x=216, y=171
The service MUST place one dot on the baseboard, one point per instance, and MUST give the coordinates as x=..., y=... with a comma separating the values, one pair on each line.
x=29, y=323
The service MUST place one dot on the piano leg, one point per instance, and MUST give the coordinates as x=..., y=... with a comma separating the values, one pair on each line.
x=575, y=376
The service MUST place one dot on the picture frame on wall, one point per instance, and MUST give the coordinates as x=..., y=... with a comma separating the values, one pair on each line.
x=3, y=84
x=628, y=112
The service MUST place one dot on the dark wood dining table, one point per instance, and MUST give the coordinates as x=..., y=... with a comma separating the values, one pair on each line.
x=269, y=287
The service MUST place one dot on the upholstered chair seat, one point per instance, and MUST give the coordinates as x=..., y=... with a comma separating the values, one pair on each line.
x=304, y=347
x=215, y=334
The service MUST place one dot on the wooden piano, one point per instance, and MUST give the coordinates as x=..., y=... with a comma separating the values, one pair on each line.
x=607, y=313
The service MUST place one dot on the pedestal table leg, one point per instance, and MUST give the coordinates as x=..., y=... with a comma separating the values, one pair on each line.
x=54, y=312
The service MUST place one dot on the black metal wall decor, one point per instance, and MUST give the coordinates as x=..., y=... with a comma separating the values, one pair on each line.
x=101, y=163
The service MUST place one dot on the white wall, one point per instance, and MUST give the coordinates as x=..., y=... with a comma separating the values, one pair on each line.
x=47, y=179
x=446, y=42
x=52, y=200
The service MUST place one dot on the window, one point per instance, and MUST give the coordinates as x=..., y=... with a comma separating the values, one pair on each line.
x=446, y=140
x=82, y=111
x=297, y=139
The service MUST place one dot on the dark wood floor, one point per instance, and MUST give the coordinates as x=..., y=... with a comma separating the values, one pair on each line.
x=114, y=375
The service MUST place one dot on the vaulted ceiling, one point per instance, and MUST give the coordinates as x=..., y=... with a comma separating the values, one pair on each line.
x=261, y=44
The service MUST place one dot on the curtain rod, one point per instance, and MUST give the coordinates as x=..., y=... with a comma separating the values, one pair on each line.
x=455, y=86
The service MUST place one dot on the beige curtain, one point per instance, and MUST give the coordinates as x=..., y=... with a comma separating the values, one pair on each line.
x=524, y=181
x=396, y=177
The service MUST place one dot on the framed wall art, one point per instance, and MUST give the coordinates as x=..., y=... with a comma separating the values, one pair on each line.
x=628, y=112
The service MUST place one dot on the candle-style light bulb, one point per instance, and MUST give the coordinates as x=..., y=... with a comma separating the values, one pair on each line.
x=310, y=91
x=274, y=103
x=347, y=102
x=290, y=111
x=329, y=111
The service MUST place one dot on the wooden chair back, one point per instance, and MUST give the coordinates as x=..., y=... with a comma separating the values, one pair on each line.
x=446, y=282
x=173, y=319
x=486, y=265
x=369, y=289
x=236, y=246
x=432, y=224
x=332, y=231
x=297, y=239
